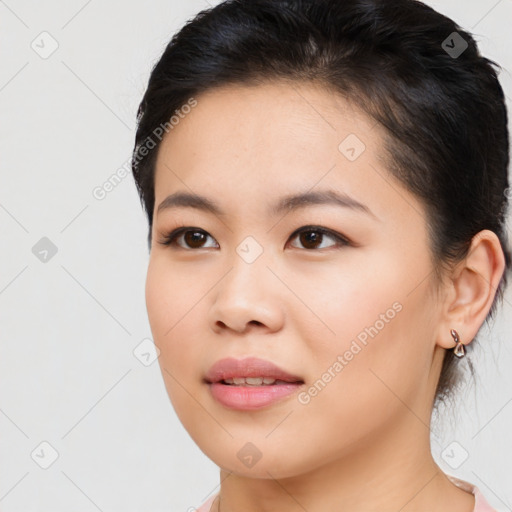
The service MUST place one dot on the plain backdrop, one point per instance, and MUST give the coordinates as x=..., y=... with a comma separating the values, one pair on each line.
x=85, y=421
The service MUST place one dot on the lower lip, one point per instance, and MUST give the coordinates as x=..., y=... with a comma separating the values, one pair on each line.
x=248, y=398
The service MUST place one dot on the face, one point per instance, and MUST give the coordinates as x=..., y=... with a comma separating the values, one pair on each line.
x=336, y=294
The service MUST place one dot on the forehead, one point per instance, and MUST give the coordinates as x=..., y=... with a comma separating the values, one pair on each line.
x=260, y=112
x=281, y=125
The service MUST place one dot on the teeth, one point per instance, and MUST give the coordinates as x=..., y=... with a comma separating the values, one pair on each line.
x=250, y=381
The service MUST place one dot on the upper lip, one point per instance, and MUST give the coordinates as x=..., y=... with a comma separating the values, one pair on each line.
x=230, y=367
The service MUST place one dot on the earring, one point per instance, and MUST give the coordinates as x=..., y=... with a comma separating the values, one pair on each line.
x=460, y=349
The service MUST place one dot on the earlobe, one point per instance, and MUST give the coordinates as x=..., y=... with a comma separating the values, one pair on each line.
x=473, y=286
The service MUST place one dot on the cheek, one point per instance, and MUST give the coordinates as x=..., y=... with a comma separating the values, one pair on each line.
x=173, y=305
x=354, y=396
x=377, y=346
x=158, y=301
x=171, y=297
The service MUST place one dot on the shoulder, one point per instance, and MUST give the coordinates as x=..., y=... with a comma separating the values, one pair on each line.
x=481, y=504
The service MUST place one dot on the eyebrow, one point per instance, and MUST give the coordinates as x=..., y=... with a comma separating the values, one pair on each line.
x=287, y=203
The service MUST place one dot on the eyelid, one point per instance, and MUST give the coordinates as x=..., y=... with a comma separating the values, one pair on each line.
x=170, y=238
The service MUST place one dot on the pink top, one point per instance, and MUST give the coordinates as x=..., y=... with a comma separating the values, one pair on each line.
x=481, y=504
x=205, y=507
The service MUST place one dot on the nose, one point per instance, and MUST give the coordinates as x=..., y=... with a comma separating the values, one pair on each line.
x=248, y=297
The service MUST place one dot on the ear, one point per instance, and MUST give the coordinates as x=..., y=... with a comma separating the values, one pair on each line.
x=471, y=289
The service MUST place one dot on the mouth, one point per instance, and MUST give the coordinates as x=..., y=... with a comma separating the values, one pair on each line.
x=250, y=383
x=250, y=371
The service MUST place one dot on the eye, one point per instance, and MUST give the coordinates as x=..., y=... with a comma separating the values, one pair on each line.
x=310, y=236
x=194, y=237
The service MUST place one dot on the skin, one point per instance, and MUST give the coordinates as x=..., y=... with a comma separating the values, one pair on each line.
x=363, y=442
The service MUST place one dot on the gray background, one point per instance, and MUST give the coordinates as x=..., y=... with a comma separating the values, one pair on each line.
x=69, y=325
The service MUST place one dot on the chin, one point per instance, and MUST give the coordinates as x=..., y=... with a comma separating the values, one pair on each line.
x=253, y=460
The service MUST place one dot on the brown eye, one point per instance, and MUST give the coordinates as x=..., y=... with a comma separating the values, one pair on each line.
x=312, y=237
x=194, y=238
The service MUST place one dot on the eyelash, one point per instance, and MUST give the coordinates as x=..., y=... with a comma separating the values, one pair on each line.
x=170, y=239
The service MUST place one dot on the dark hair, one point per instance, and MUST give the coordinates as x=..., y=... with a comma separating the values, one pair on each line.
x=399, y=61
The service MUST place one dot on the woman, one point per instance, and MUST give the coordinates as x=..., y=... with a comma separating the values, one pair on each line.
x=325, y=184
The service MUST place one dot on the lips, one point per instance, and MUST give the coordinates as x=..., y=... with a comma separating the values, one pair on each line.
x=250, y=384
x=250, y=367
